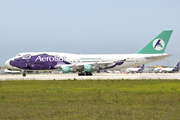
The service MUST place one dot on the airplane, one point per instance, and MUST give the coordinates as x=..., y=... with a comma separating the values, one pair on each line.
x=12, y=71
x=135, y=70
x=85, y=64
x=167, y=70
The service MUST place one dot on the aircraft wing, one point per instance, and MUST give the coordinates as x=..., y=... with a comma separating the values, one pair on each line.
x=94, y=65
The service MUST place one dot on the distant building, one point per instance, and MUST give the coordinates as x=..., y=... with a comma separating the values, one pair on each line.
x=2, y=68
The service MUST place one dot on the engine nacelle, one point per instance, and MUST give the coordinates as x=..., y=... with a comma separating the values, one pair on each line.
x=65, y=69
x=87, y=68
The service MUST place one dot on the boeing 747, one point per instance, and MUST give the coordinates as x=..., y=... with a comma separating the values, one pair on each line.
x=85, y=64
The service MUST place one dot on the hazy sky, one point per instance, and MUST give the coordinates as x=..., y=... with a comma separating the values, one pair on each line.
x=87, y=26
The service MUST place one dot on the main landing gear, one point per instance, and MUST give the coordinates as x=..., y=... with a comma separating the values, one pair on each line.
x=85, y=74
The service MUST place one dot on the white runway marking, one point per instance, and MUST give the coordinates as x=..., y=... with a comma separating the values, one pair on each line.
x=100, y=76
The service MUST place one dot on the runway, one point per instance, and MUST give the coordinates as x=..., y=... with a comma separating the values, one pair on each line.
x=96, y=76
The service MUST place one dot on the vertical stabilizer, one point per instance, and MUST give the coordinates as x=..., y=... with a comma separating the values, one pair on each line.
x=177, y=66
x=158, y=44
x=142, y=68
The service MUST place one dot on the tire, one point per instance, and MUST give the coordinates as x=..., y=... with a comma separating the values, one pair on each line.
x=24, y=74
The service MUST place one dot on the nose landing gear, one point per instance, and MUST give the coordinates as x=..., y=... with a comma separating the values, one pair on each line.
x=24, y=74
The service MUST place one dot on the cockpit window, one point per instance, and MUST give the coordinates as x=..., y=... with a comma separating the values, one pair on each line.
x=28, y=56
x=19, y=55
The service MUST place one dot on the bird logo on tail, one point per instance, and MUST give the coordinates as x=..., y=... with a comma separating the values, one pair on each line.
x=158, y=44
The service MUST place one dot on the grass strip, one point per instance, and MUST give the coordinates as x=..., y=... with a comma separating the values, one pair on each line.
x=90, y=99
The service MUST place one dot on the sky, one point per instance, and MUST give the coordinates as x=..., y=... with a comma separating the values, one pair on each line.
x=87, y=26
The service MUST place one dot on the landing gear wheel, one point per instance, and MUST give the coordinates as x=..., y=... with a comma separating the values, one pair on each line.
x=81, y=74
x=24, y=74
x=88, y=74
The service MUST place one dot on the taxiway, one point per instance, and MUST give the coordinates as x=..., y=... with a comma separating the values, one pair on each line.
x=97, y=76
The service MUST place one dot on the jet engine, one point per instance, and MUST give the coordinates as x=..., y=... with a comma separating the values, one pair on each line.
x=68, y=69
x=65, y=69
x=89, y=68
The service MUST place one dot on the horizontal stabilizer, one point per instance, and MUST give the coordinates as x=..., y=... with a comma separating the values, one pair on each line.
x=158, y=57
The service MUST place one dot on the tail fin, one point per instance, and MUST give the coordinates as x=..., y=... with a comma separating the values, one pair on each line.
x=177, y=66
x=158, y=44
x=142, y=68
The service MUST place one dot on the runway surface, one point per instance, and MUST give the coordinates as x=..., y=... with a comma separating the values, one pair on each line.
x=96, y=76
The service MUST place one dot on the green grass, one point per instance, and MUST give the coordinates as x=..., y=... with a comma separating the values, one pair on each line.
x=90, y=99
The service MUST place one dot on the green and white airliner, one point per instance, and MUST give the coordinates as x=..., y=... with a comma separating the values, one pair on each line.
x=85, y=64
